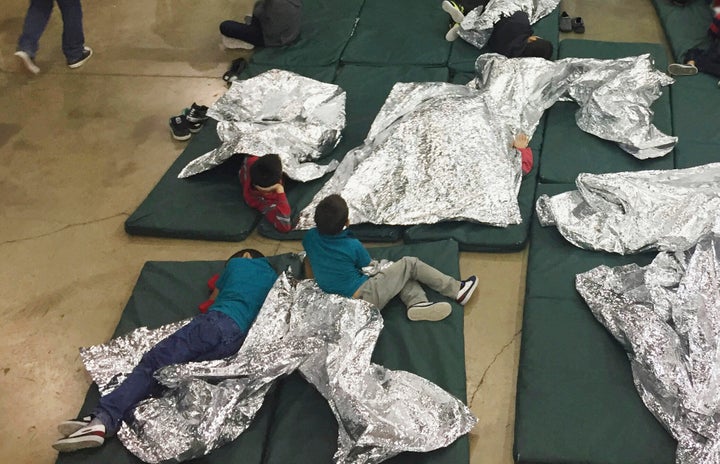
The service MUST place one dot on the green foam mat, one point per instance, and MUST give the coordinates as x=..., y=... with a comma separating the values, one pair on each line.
x=303, y=429
x=167, y=292
x=206, y=206
x=327, y=26
x=693, y=99
x=576, y=401
x=685, y=26
x=463, y=55
x=399, y=32
x=567, y=151
x=367, y=88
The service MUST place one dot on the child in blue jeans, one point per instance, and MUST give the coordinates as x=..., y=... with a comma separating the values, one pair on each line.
x=239, y=294
x=335, y=258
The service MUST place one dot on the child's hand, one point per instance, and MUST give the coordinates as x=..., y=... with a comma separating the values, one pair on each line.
x=520, y=141
x=277, y=188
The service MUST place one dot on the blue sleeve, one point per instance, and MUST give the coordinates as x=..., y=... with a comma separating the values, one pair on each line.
x=362, y=256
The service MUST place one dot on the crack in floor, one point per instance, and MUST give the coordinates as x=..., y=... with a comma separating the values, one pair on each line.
x=65, y=227
x=482, y=378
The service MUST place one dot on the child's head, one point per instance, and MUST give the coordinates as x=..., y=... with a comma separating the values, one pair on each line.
x=538, y=47
x=331, y=215
x=248, y=253
x=266, y=171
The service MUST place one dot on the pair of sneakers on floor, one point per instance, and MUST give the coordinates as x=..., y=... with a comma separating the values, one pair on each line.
x=184, y=125
x=27, y=60
x=428, y=311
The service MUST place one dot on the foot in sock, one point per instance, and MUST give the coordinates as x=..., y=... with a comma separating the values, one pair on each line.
x=467, y=287
x=428, y=311
x=91, y=435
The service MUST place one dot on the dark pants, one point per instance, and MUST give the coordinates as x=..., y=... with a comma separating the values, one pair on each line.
x=36, y=19
x=207, y=336
x=707, y=61
x=250, y=33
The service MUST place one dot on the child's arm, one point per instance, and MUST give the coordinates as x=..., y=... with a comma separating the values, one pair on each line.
x=308, y=268
x=276, y=208
x=521, y=144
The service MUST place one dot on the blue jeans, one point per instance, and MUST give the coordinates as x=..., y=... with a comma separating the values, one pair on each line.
x=36, y=19
x=213, y=335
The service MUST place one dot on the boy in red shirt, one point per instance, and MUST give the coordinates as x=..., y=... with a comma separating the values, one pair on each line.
x=263, y=189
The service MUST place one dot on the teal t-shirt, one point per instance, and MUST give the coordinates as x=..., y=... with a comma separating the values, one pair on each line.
x=337, y=261
x=243, y=287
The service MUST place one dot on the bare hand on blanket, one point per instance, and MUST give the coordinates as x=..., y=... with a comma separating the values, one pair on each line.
x=520, y=141
x=277, y=188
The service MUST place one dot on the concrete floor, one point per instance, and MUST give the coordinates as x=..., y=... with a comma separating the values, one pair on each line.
x=80, y=149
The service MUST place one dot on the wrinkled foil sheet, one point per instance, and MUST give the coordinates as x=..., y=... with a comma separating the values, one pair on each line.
x=631, y=212
x=281, y=112
x=667, y=317
x=439, y=152
x=478, y=24
x=329, y=339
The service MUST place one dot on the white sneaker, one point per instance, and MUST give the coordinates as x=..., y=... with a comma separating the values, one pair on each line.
x=229, y=42
x=428, y=311
x=27, y=61
x=455, y=13
x=68, y=427
x=467, y=287
x=452, y=34
x=90, y=436
x=677, y=69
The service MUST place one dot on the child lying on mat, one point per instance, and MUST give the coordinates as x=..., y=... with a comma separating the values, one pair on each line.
x=335, y=259
x=263, y=189
x=240, y=293
x=703, y=60
x=274, y=23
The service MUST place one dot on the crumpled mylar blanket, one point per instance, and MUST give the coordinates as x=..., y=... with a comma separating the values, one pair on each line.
x=281, y=112
x=631, y=212
x=478, y=24
x=667, y=317
x=439, y=151
x=329, y=338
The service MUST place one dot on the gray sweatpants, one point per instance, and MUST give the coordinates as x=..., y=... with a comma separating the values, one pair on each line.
x=404, y=277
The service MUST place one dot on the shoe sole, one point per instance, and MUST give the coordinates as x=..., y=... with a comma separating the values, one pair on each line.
x=452, y=34
x=180, y=137
x=434, y=312
x=73, y=444
x=67, y=428
x=454, y=13
x=83, y=61
x=27, y=62
x=676, y=69
x=195, y=131
x=229, y=42
x=469, y=293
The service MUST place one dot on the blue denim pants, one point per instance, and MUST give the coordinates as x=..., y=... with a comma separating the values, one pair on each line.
x=36, y=19
x=213, y=335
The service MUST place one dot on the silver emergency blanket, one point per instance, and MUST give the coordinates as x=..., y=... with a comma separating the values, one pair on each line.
x=281, y=112
x=631, y=212
x=667, y=317
x=478, y=24
x=439, y=152
x=329, y=338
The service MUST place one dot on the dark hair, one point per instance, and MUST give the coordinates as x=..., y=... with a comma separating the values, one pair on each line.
x=331, y=215
x=266, y=171
x=253, y=254
x=540, y=48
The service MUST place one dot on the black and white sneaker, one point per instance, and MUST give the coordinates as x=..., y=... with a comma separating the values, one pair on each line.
x=467, y=287
x=196, y=113
x=87, y=53
x=69, y=427
x=90, y=436
x=679, y=69
x=179, y=128
x=428, y=311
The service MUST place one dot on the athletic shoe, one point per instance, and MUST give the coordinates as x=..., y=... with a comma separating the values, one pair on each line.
x=179, y=128
x=27, y=61
x=452, y=34
x=87, y=53
x=229, y=42
x=69, y=427
x=678, y=69
x=90, y=436
x=454, y=10
x=467, y=287
x=196, y=113
x=428, y=311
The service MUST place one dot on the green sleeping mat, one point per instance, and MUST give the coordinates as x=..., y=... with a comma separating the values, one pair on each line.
x=295, y=424
x=576, y=401
x=399, y=32
x=685, y=26
x=693, y=99
x=367, y=88
x=463, y=55
x=167, y=292
x=567, y=151
x=327, y=26
x=303, y=429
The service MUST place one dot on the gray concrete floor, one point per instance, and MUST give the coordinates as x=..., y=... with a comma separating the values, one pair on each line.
x=79, y=150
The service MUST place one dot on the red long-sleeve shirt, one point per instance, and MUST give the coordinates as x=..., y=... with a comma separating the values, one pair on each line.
x=274, y=206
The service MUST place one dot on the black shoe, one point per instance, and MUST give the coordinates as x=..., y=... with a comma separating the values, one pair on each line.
x=179, y=127
x=197, y=113
x=236, y=68
x=87, y=53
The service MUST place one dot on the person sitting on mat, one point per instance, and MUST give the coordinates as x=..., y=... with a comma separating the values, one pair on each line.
x=698, y=60
x=335, y=259
x=274, y=23
x=219, y=333
x=262, y=180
